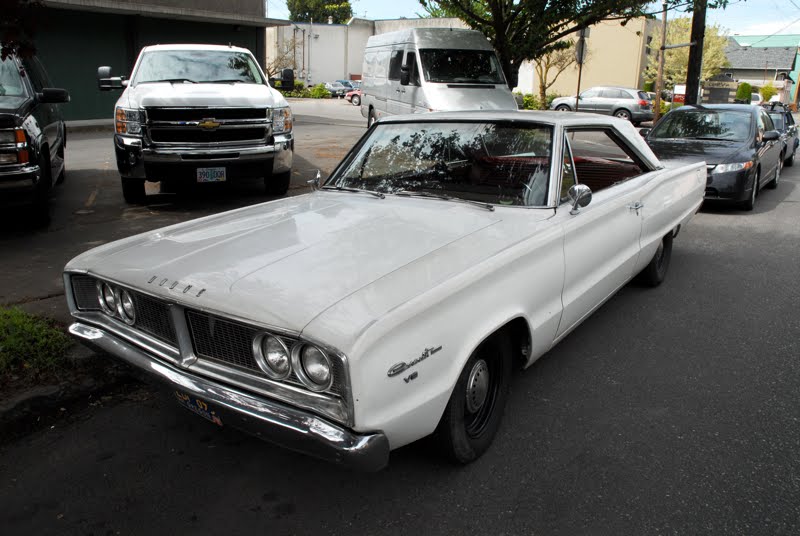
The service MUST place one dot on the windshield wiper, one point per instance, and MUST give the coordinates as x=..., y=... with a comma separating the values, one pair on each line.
x=170, y=80
x=410, y=193
x=354, y=190
x=226, y=81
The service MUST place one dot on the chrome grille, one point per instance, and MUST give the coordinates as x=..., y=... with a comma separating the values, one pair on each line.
x=198, y=114
x=153, y=317
x=219, y=125
x=84, y=289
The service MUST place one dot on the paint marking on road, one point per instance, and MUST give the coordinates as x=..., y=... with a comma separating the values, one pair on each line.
x=92, y=197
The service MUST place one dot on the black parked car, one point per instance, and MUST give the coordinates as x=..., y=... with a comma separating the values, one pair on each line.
x=784, y=123
x=738, y=142
x=32, y=134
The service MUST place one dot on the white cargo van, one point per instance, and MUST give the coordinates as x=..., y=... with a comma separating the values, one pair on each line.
x=431, y=69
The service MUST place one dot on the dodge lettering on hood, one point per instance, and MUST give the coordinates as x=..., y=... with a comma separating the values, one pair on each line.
x=393, y=301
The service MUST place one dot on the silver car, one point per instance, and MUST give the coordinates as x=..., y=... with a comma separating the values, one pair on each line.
x=625, y=103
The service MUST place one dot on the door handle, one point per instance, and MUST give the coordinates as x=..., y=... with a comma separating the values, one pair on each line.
x=637, y=206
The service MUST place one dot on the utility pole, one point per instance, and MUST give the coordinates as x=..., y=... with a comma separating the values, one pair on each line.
x=694, y=71
x=661, y=53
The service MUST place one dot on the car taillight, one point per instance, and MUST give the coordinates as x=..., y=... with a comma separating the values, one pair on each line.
x=643, y=102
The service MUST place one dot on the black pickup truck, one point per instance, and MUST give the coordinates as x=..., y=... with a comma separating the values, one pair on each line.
x=32, y=134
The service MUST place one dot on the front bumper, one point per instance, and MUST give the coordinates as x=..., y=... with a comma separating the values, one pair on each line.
x=18, y=185
x=272, y=421
x=733, y=186
x=136, y=160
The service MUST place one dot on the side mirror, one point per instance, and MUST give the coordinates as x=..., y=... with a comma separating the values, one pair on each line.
x=106, y=82
x=772, y=135
x=405, y=75
x=53, y=95
x=579, y=195
x=643, y=132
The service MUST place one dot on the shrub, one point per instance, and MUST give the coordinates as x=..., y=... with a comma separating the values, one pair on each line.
x=744, y=91
x=768, y=91
x=319, y=92
x=299, y=85
x=550, y=98
x=530, y=102
x=29, y=344
x=649, y=86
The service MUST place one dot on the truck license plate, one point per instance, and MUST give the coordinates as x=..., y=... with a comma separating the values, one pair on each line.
x=199, y=407
x=211, y=174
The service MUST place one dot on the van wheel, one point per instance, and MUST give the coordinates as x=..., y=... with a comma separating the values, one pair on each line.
x=372, y=117
x=277, y=183
x=473, y=414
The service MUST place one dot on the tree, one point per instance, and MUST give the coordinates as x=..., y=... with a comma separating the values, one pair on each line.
x=550, y=66
x=18, y=27
x=677, y=59
x=744, y=92
x=523, y=30
x=285, y=56
x=319, y=10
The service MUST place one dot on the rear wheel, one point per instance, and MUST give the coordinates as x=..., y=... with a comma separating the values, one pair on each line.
x=655, y=272
x=623, y=114
x=562, y=108
x=473, y=414
x=356, y=100
x=277, y=183
x=133, y=191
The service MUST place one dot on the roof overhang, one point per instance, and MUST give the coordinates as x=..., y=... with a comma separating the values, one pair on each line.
x=165, y=12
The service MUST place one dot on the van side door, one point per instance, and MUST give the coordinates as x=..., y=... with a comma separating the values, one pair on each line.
x=410, y=93
x=395, y=91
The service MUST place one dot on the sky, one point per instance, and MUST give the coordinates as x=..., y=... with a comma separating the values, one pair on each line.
x=744, y=17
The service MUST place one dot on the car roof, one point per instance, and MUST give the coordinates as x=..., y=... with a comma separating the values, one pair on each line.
x=188, y=46
x=731, y=107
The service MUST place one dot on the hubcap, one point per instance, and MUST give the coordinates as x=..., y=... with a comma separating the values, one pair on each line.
x=477, y=386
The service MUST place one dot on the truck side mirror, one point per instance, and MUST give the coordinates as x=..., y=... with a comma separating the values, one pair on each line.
x=52, y=95
x=106, y=82
x=405, y=75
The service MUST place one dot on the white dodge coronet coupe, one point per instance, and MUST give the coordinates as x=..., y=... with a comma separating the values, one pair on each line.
x=395, y=300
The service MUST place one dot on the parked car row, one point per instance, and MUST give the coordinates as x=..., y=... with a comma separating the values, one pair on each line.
x=625, y=103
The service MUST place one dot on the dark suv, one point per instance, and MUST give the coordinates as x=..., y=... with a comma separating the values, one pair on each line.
x=32, y=133
x=784, y=123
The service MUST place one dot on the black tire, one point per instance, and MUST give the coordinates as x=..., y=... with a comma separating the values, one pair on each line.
x=356, y=100
x=469, y=424
x=774, y=182
x=63, y=175
x=563, y=108
x=622, y=113
x=277, y=183
x=133, y=191
x=371, y=118
x=40, y=213
x=656, y=271
x=751, y=201
x=789, y=162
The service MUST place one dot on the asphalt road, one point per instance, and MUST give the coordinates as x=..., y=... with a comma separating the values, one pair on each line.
x=670, y=411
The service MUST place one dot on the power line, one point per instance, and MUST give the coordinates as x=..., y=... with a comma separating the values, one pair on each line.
x=795, y=21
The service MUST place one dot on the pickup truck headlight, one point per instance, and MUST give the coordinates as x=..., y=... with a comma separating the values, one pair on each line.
x=129, y=121
x=281, y=120
x=735, y=166
x=16, y=141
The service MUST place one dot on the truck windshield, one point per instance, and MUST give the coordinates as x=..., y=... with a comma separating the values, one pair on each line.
x=198, y=66
x=496, y=163
x=704, y=124
x=10, y=81
x=444, y=65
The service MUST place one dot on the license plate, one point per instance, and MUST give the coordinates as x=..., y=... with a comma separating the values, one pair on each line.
x=211, y=174
x=199, y=407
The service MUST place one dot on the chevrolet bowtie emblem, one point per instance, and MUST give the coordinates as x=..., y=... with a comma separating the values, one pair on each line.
x=208, y=123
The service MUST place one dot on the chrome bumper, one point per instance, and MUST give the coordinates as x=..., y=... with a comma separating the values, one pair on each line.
x=269, y=420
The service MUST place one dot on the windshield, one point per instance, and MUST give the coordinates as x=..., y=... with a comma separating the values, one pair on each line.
x=197, y=66
x=704, y=124
x=10, y=81
x=460, y=66
x=777, y=119
x=506, y=164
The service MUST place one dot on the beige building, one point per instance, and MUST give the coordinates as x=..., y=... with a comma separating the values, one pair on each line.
x=617, y=56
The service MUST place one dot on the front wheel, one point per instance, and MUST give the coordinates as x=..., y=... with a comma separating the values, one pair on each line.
x=751, y=201
x=562, y=108
x=789, y=162
x=475, y=408
x=133, y=191
x=278, y=183
x=372, y=117
x=774, y=182
x=623, y=114
x=356, y=100
x=656, y=271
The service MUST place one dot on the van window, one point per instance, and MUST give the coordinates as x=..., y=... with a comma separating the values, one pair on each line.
x=381, y=62
x=442, y=65
x=395, y=63
x=411, y=63
x=369, y=64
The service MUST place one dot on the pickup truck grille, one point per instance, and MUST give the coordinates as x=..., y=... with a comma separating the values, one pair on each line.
x=208, y=126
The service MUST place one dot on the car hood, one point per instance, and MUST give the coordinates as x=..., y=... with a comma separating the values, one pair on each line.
x=711, y=152
x=14, y=106
x=206, y=95
x=285, y=262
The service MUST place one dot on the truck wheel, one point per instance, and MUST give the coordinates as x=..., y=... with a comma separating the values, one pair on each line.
x=41, y=195
x=133, y=191
x=277, y=183
x=655, y=272
x=473, y=414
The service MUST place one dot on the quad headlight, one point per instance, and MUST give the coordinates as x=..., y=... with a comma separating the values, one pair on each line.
x=313, y=368
x=272, y=356
x=302, y=361
x=115, y=302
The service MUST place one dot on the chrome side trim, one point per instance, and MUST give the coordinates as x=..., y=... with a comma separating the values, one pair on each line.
x=272, y=421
